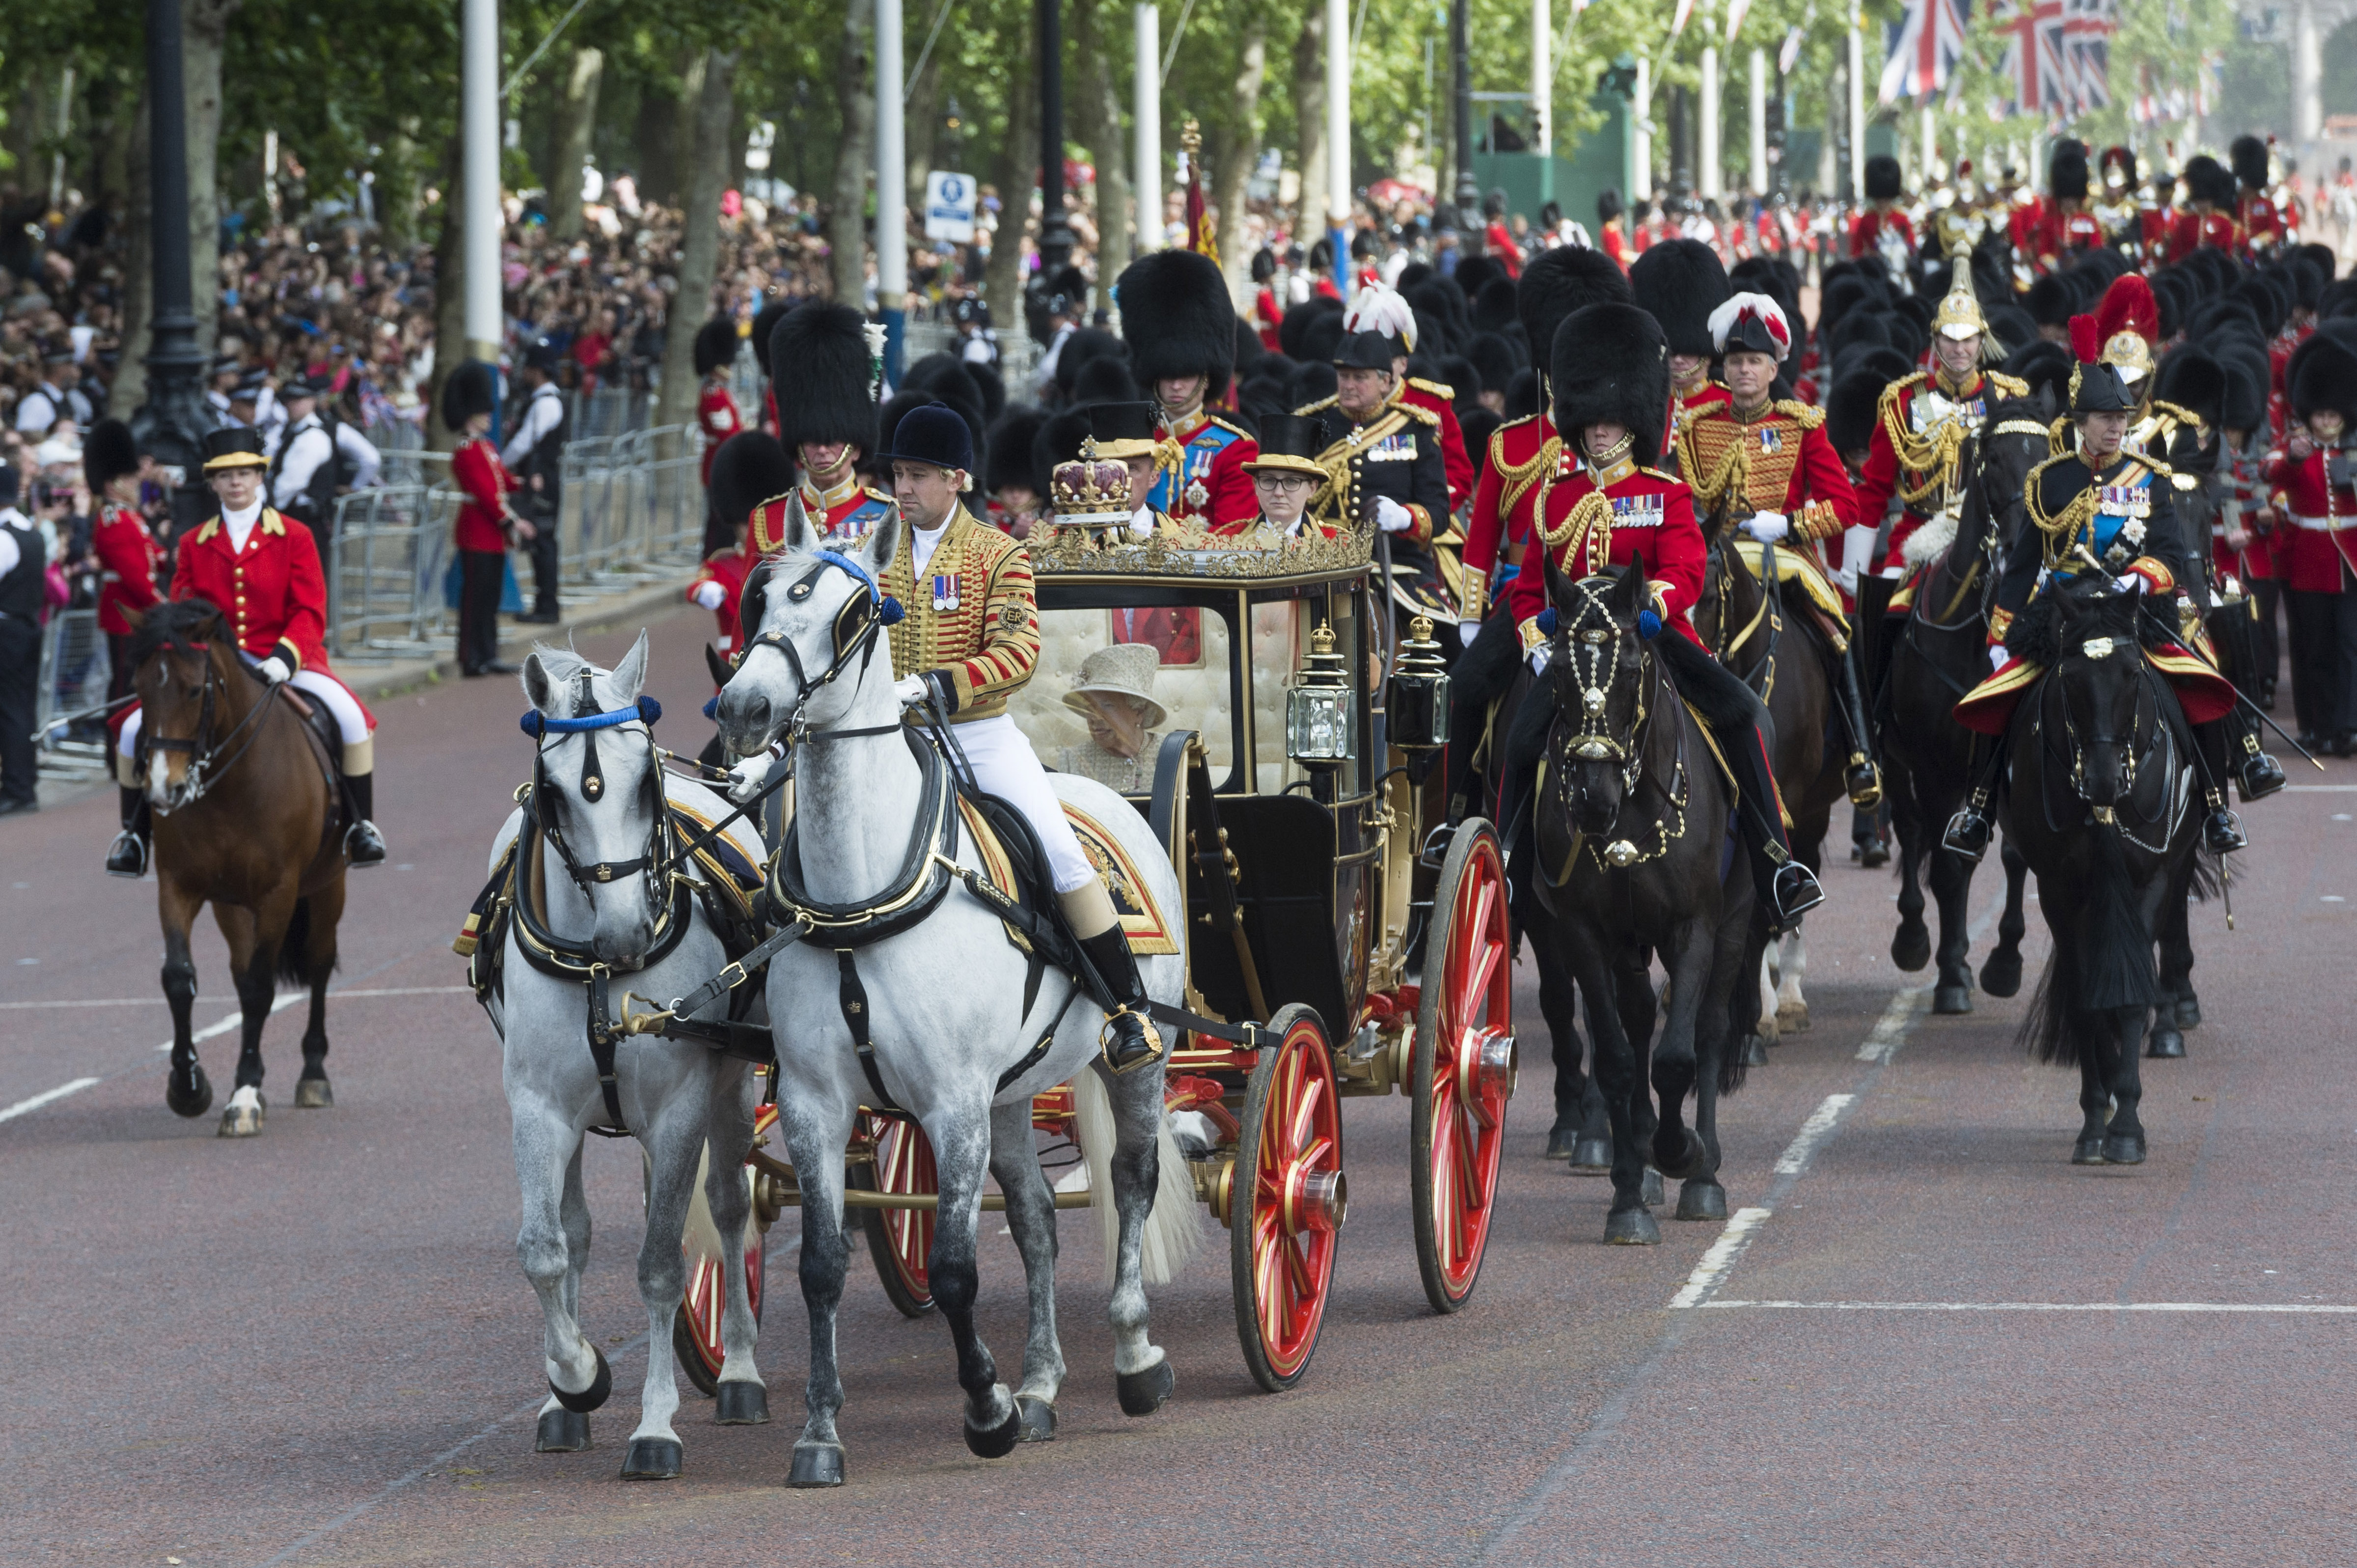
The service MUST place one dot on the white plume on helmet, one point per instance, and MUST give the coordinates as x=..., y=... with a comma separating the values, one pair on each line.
x=1770, y=315
x=1379, y=308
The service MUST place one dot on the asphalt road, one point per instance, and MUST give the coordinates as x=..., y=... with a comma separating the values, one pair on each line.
x=1938, y=1343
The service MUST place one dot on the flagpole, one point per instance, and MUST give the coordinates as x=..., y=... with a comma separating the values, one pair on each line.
x=1758, y=122
x=1709, y=182
x=1856, y=105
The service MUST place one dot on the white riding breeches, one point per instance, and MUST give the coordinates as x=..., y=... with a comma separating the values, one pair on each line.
x=351, y=723
x=1005, y=766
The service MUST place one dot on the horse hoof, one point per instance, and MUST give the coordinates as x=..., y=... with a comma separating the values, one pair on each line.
x=816, y=1465
x=1683, y=1162
x=1952, y=999
x=2088, y=1151
x=1701, y=1199
x=1754, y=1051
x=999, y=1441
x=2124, y=1149
x=2001, y=976
x=741, y=1404
x=244, y=1121
x=1562, y=1141
x=1911, y=949
x=1651, y=1192
x=192, y=1102
x=1592, y=1157
x=313, y=1094
x=651, y=1459
x=1143, y=1394
x=2166, y=1044
x=1792, y=1019
x=590, y=1398
x=562, y=1432
x=2188, y=1012
x=1038, y=1418
x=1632, y=1228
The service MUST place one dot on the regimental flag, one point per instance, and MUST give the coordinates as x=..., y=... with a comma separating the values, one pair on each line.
x=1925, y=46
x=1200, y=236
x=2033, y=55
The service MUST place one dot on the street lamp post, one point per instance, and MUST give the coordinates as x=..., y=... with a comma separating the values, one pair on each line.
x=172, y=423
x=1055, y=231
x=1469, y=189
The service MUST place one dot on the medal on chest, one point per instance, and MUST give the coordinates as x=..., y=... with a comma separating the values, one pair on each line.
x=1770, y=439
x=945, y=591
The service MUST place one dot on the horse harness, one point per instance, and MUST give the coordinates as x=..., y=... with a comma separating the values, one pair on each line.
x=1591, y=664
x=204, y=752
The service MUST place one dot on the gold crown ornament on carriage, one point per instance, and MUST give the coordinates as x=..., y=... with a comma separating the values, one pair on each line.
x=1091, y=490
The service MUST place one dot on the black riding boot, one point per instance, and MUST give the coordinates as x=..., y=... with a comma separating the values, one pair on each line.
x=1483, y=675
x=363, y=846
x=127, y=855
x=2221, y=830
x=1860, y=778
x=1791, y=888
x=1967, y=834
x=2257, y=775
x=1130, y=1039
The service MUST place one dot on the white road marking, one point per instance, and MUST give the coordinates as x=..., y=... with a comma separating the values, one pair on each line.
x=2326, y=1308
x=1891, y=1031
x=1795, y=1157
x=1719, y=1259
x=158, y=1000
x=2320, y=789
x=45, y=1097
x=289, y=998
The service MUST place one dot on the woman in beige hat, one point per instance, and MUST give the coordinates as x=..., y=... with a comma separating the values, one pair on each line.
x=1115, y=694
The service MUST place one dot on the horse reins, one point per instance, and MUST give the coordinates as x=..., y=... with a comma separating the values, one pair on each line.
x=203, y=763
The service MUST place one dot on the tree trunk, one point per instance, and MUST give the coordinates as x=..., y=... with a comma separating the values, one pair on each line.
x=204, y=33
x=130, y=388
x=450, y=291
x=1309, y=122
x=683, y=125
x=1015, y=170
x=1097, y=117
x=1239, y=150
x=654, y=140
x=576, y=120
x=699, y=250
x=847, y=220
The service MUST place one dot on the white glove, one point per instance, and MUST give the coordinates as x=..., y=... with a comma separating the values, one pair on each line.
x=1768, y=526
x=1392, y=517
x=1467, y=630
x=1848, y=581
x=273, y=669
x=709, y=595
x=748, y=776
x=2130, y=583
x=1858, y=552
x=1538, y=661
x=1997, y=656
x=911, y=689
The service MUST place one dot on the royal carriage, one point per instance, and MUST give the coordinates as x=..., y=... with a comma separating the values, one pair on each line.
x=1337, y=948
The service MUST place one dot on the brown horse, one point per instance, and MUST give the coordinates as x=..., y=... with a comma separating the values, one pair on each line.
x=248, y=818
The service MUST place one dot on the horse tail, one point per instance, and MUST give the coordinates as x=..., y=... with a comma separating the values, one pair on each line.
x=1174, y=1232
x=2114, y=949
x=2045, y=1028
x=2208, y=875
x=294, y=948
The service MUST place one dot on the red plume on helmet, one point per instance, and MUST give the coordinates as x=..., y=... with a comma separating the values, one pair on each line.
x=2129, y=306
x=2086, y=339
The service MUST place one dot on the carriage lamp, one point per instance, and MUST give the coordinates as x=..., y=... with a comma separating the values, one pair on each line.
x=1318, y=708
x=1419, y=699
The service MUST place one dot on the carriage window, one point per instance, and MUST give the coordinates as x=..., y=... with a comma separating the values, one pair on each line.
x=1112, y=681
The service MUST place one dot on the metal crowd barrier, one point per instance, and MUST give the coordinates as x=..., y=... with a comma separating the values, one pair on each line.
x=74, y=672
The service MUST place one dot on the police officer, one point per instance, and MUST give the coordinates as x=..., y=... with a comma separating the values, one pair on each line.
x=22, y=558
x=317, y=458
x=536, y=455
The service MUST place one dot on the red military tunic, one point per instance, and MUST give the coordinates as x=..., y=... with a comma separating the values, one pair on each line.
x=1686, y=406
x=715, y=411
x=1790, y=467
x=845, y=515
x=1906, y=404
x=1455, y=461
x=2218, y=231
x=1521, y=453
x=128, y=558
x=1865, y=234
x=483, y=479
x=2262, y=226
x=2316, y=536
x=272, y=591
x=728, y=568
x=1208, y=488
x=2061, y=231
x=1650, y=513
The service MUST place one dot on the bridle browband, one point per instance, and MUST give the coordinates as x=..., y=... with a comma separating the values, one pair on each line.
x=586, y=722
x=855, y=629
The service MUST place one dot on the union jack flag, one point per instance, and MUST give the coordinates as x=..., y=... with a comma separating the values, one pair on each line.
x=2087, y=28
x=2033, y=55
x=1925, y=46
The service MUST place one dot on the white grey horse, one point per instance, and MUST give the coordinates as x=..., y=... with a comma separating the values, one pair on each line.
x=946, y=1009
x=597, y=901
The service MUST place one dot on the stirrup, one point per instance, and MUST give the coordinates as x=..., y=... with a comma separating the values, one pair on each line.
x=1864, y=782
x=363, y=846
x=1115, y=1029
x=2222, y=832
x=2259, y=777
x=1967, y=836
x=127, y=855
x=1794, y=893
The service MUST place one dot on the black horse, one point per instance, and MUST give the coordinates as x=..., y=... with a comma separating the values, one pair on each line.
x=2102, y=804
x=1935, y=656
x=1627, y=853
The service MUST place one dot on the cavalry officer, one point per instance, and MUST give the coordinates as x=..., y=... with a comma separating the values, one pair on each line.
x=1921, y=425
x=715, y=409
x=486, y=525
x=2309, y=483
x=2065, y=225
x=2099, y=510
x=128, y=555
x=2263, y=226
x=264, y=576
x=1883, y=229
x=1604, y=506
x=1379, y=308
x=825, y=394
x=536, y=455
x=1679, y=283
x=969, y=641
x=1181, y=330
x=316, y=459
x=1793, y=488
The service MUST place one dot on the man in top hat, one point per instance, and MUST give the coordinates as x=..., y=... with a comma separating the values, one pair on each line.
x=1379, y=308
x=1883, y=228
x=2309, y=481
x=1767, y=462
x=1285, y=476
x=536, y=455
x=1383, y=458
x=1114, y=694
x=1603, y=506
x=716, y=413
x=2095, y=510
x=1181, y=332
x=264, y=574
x=2263, y=226
x=824, y=391
x=317, y=459
x=486, y=525
x=128, y=555
x=1679, y=283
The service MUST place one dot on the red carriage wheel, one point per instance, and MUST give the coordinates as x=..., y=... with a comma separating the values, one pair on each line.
x=900, y=1240
x=1463, y=1069
x=695, y=1326
x=1287, y=1200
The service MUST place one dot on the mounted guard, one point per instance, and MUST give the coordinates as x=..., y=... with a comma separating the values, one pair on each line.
x=1181, y=332
x=827, y=360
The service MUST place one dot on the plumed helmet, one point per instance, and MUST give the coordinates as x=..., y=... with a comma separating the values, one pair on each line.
x=749, y=468
x=716, y=345
x=1679, y=283
x=1010, y=461
x=1611, y=364
x=1379, y=309
x=2128, y=324
x=2096, y=384
x=1883, y=181
x=2195, y=381
x=2323, y=373
x=1177, y=318
x=108, y=453
x=824, y=377
x=1557, y=283
x=1852, y=405
x=465, y=393
x=1751, y=322
x=2249, y=157
x=2066, y=173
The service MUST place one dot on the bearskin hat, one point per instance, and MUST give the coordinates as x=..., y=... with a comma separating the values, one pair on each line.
x=1883, y=180
x=1852, y=405
x=1679, y=283
x=1493, y=362
x=1611, y=362
x=2192, y=381
x=947, y=377
x=716, y=345
x=1474, y=271
x=1521, y=395
x=1479, y=425
x=2050, y=300
x=2046, y=364
x=1494, y=308
x=2323, y=373
x=1058, y=440
x=1086, y=343
x=465, y=393
x=1293, y=331
x=765, y=322
x=2206, y=179
x=1609, y=205
x=749, y=468
x=2011, y=325
x=2249, y=157
x=1010, y=461
x=1177, y=318
x=1105, y=379
x=108, y=453
x=1557, y=283
x=2243, y=404
x=2066, y=172
x=820, y=371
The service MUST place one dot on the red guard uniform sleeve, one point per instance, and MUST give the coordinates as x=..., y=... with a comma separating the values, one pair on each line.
x=1233, y=503
x=1820, y=477
x=1485, y=530
x=122, y=550
x=1454, y=459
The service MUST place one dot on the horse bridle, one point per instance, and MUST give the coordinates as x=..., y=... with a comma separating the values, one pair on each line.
x=857, y=627
x=586, y=722
x=204, y=762
x=2132, y=760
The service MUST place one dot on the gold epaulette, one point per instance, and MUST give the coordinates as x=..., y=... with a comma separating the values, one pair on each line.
x=1435, y=387
x=2062, y=525
x=2182, y=416
x=1308, y=408
x=1799, y=412
x=1659, y=474
x=1416, y=411
x=2012, y=386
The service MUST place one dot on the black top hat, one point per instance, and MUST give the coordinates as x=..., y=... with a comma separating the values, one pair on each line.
x=934, y=434
x=1289, y=444
x=233, y=446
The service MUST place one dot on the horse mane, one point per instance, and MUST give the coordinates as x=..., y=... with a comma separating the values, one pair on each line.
x=173, y=624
